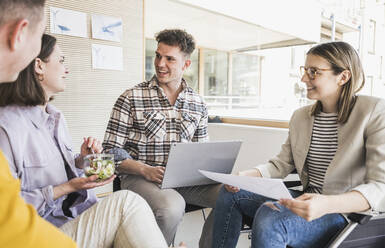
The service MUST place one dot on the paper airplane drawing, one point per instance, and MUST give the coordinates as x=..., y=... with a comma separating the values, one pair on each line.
x=106, y=28
x=68, y=22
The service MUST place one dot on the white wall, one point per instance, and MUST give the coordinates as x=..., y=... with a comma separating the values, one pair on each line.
x=259, y=143
x=90, y=93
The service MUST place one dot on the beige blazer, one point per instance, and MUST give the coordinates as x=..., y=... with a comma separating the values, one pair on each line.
x=358, y=164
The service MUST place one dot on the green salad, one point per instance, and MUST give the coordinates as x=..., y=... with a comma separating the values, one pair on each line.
x=104, y=167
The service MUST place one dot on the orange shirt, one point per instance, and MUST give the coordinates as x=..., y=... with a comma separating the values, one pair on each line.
x=20, y=225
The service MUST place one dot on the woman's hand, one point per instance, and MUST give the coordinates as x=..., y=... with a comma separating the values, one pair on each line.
x=182, y=245
x=250, y=173
x=231, y=189
x=308, y=206
x=79, y=183
x=90, y=145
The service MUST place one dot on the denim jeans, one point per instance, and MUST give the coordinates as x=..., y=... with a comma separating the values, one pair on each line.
x=270, y=228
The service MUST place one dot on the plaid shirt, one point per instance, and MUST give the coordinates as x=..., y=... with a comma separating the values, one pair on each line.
x=145, y=124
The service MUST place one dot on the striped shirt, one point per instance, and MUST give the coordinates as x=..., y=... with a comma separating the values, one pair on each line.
x=323, y=146
x=145, y=124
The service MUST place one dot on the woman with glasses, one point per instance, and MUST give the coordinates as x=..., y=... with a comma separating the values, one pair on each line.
x=337, y=146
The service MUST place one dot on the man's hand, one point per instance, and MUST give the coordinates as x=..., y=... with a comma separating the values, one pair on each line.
x=308, y=206
x=153, y=173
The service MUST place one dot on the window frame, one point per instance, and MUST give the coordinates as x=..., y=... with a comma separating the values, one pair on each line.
x=372, y=46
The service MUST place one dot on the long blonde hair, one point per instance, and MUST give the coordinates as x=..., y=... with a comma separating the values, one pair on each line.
x=341, y=56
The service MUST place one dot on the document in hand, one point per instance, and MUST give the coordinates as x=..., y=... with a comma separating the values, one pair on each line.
x=270, y=187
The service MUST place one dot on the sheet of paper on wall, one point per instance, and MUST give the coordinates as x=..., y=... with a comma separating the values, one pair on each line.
x=269, y=187
x=68, y=22
x=107, y=57
x=107, y=28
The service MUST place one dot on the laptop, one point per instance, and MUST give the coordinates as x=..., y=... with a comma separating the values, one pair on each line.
x=185, y=159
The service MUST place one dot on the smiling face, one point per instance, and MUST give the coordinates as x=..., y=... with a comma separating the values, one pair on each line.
x=325, y=87
x=170, y=64
x=53, y=72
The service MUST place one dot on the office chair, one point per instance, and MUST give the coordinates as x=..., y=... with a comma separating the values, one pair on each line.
x=116, y=184
x=363, y=231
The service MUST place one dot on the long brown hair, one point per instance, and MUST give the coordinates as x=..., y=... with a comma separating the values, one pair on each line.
x=27, y=89
x=341, y=57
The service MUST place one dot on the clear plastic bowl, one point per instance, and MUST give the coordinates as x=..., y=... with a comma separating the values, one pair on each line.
x=101, y=164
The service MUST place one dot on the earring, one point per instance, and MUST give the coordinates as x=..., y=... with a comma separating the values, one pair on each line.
x=40, y=77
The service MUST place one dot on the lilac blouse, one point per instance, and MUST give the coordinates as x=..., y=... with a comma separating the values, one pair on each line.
x=38, y=148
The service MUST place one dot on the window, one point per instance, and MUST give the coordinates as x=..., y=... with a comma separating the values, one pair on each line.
x=191, y=74
x=245, y=74
x=151, y=46
x=264, y=83
x=372, y=36
x=215, y=73
x=367, y=89
x=237, y=87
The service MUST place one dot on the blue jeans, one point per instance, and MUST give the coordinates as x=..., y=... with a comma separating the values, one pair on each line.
x=270, y=228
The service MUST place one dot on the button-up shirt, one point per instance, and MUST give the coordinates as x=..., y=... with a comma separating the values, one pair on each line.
x=145, y=124
x=38, y=148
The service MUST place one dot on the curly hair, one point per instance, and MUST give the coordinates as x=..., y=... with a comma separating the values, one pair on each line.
x=177, y=37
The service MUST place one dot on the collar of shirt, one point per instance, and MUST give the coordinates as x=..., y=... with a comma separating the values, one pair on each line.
x=39, y=117
x=53, y=112
x=54, y=116
x=153, y=83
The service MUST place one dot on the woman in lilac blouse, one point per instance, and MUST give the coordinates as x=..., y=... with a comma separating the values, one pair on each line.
x=36, y=142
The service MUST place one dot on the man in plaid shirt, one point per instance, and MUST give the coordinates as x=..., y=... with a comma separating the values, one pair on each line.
x=147, y=119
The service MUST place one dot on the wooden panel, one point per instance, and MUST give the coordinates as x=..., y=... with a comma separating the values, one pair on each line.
x=90, y=94
x=251, y=122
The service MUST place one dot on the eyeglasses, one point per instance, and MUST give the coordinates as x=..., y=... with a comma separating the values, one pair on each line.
x=312, y=72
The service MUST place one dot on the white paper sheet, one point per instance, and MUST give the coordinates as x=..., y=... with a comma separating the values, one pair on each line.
x=106, y=28
x=68, y=22
x=269, y=187
x=107, y=57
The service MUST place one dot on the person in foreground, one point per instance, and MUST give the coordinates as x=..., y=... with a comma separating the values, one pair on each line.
x=36, y=142
x=22, y=24
x=147, y=119
x=337, y=146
